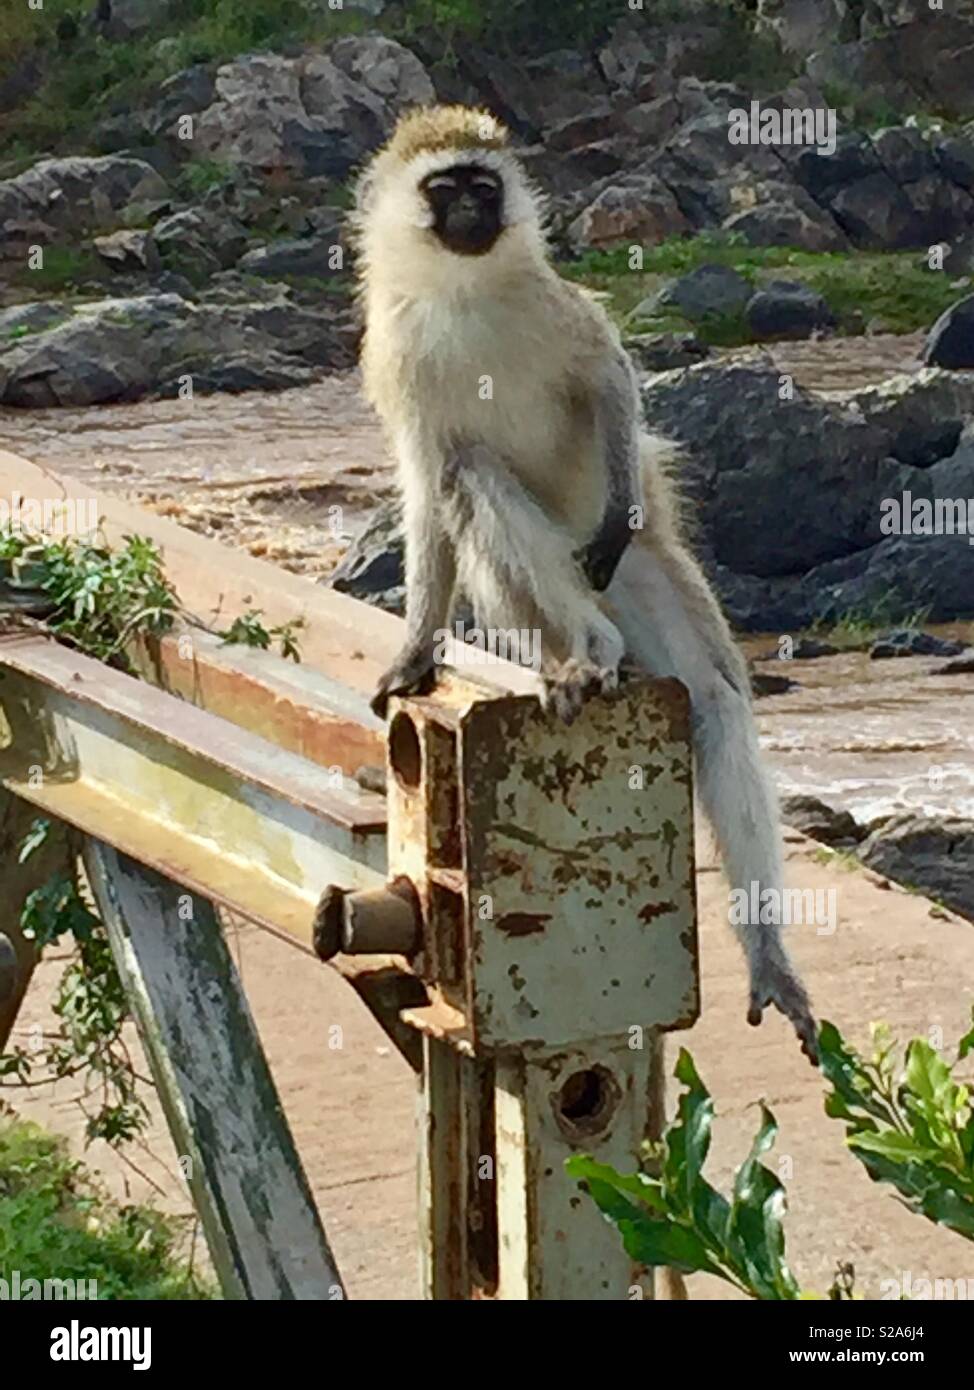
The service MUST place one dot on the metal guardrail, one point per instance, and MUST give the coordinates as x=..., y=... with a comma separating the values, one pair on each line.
x=525, y=918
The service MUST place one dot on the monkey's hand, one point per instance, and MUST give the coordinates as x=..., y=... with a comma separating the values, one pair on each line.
x=565, y=690
x=413, y=671
x=600, y=557
x=774, y=981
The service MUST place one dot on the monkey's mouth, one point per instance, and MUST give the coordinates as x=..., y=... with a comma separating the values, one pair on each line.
x=468, y=232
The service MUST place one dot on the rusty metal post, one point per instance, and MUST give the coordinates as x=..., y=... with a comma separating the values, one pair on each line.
x=553, y=875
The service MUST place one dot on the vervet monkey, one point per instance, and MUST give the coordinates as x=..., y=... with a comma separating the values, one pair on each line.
x=514, y=414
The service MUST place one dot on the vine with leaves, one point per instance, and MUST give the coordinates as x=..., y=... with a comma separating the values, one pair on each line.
x=99, y=601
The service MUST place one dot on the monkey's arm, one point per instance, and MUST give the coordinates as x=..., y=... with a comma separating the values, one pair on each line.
x=617, y=426
x=517, y=569
x=430, y=576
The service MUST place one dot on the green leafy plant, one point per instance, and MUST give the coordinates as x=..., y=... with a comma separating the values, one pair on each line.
x=669, y=1214
x=90, y=1006
x=56, y=1223
x=910, y=1125
x=100, y=598
x=251, y=632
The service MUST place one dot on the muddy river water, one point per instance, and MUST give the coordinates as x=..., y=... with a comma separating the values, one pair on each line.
x=284, y=475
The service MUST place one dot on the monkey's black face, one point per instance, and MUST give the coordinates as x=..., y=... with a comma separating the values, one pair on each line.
x=467, y=203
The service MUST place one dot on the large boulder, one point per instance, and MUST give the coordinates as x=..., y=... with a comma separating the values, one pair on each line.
x=950, y=342
x=639, y=210
x=123, y=349
x=795, y=220
x=925, y=64
x=786, y=309
x=932, y=853
x=706, y=292
x=785, y=493
x=79, y=193
x=753, y=439
x=199, y=241
x=312, y=115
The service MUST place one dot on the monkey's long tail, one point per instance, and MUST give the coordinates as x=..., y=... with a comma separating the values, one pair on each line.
x=672, y=625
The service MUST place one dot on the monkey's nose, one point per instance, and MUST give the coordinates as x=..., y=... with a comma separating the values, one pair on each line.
x=464, y=215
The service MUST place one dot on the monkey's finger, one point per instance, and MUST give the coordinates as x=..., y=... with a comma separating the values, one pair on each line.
x=793, y=1003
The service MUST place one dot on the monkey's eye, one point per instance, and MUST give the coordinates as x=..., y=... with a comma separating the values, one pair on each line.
x=441, y=181
x=487, y=185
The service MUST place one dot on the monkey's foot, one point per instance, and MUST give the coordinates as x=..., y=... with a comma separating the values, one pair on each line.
x=566, y=690
x=412, y=673
x=776, y=983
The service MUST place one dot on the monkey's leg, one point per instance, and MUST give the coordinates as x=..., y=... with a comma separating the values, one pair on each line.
x=673, y=625
x=516, y=564
x=430, y=577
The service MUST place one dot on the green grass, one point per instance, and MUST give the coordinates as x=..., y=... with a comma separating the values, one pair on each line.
x=91, y=77
x=855, y=631
x=894, y=287
x=844, y=859
x=55, y=1223
x=65, y=269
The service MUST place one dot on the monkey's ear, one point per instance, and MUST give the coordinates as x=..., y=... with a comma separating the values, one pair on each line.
x=364, y=189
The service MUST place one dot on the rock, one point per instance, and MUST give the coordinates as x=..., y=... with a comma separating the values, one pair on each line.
x=298, y=256
x=950, y=342
x=706, y=292
x=185, y=93
x=779, y=223
x=748, y=448
x=955, y=156
x=640, y=211
x=372, y=568
x=904, y=153
x=824, y=555
x=963, y=666
x=390, y=71
x=785, y=309
x=652, y=122
x=810, y=649
x=129, y=250
x=199, y=241
x=639, y=59
x=81, y=193
x=531, y=94
x=21, y=319
x=876, y=214
x=820, y=820
x=934, y=854
x=940, y=209
x=908, y=641
x=312, y=115
x=662, y=352
x=341, y=107
x=855, y=159
x=584, y=128
x=764, y=683
x=800, y=26
x=123, y=349
x=126, y=19
x=926, y=64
